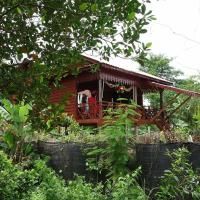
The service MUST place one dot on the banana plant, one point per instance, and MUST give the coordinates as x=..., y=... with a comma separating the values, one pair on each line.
x=17, y=131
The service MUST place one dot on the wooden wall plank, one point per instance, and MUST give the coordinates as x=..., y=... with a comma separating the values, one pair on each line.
x=68, y=88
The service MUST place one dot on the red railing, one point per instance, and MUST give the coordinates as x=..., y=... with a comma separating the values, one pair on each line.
x=98, y=110
x=95, y=110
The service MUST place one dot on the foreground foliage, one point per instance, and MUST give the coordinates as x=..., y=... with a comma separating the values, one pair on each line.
x=181, y=181
x=114, y=154
x=36, y=181
x=126, y=187
x=17, y=131
x=40, y=182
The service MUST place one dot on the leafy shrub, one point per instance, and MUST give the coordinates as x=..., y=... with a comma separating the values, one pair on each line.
x=80, y=190
x=117, y=130
x=181, y=181
x=17, y=131
x=127, y=188
x=14, y=182
x=38, y=194
x=70, y=131
x=162, y=137
x=40, y=182
x=8, y=179
x=49, y=183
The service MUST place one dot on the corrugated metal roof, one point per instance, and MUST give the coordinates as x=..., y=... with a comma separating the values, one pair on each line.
x=132, y=71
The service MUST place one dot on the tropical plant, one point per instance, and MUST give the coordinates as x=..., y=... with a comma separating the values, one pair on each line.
x=80, y=190
x=114, y=153
x=17, y=131
x=180, y=181
x=197, y=116
x=126, y=187
x=39, y=181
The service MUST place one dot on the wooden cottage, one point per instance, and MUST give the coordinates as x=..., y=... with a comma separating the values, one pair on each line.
x=93, y=91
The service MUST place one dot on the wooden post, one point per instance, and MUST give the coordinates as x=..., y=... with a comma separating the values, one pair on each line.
x=139, y=97
x=135, y=94
x=161, y=99
x=161, y=103
x=100, y=99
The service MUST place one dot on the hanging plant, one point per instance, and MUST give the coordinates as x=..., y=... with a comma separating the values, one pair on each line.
x=119, y=87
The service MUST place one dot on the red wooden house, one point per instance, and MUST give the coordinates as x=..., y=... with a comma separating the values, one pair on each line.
x=109, y=83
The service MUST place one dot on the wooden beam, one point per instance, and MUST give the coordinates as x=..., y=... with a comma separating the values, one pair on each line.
x=175, y=110
x=161, y=99
x=165, y=107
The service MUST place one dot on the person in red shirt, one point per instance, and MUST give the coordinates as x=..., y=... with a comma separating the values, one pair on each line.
x=93, y=107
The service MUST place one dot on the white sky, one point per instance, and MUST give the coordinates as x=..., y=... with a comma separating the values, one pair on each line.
x=175, y=33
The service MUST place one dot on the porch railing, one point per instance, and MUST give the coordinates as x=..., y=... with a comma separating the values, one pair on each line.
x=98, y=110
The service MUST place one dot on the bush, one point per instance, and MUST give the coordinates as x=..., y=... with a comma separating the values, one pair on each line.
x=114, y=156
x=181, y=181
x=9, y=183
x=79, y=190
x=40, y=182
x=127, y=188
x=36, y=195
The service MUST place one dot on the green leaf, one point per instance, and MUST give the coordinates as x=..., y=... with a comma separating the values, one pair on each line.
x=7, y=105
x=20, y=55
x=43, y=18
x=149, y=44
x=131, y=16
x=23, y=112
x=41, y=79
x=4, y=114
x=122, y=99
x=49, y=123
x=143, y=31
x=94, y=7
x=19, y=10
x=83, y=6
x=143, y=9
x=9, y=139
